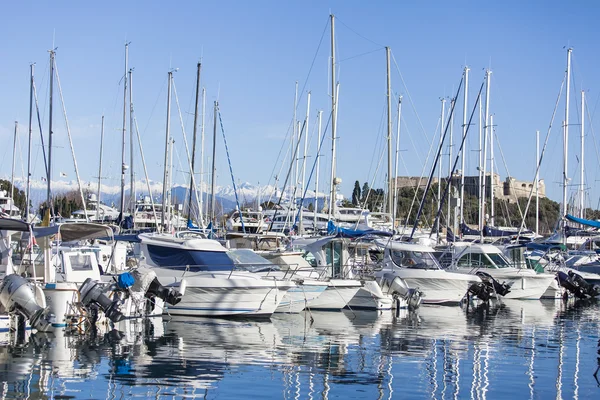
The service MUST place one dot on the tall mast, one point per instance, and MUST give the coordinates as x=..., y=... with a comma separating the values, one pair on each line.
x=123, y=165
x=301, y=222
x=28, y=191
x=480, y=170
x=132, y=192
x=192, y=188
x=294, y=157
x=100, y=172
x=439, y=171
x=390, y=206
x=12, y=174
x=50, y=133
x=582, y=179
x=202, y=158
x=450, y=145
x=537, y=183
x=214, y=166
x=167, y=148
x=316, y=208
x=395, y=209
x=485, y=145
x=333, y=119
x=462, y=151
x=566, y=134
x=492, y=212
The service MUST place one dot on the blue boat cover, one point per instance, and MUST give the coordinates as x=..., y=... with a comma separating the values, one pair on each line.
x=587, y=222
x=353, y=233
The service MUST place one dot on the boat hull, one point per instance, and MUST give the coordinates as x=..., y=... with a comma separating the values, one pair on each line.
x=338, y=294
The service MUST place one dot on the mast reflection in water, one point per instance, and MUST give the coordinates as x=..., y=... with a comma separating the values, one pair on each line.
x=514, y=349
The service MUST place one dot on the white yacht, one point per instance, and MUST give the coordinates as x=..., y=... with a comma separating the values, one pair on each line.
x=147, y=217
x=416, y=266
x=328, y=256
x=96, y=212
x=246, y=221
x=213, y=286
x=7, y=206
x=470, y=258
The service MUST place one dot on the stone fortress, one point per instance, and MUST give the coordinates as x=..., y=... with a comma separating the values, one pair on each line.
x=510, y=189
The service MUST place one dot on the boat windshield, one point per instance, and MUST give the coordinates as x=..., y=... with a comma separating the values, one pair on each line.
x=485, y=260
x=414, y=259
x=247, y=260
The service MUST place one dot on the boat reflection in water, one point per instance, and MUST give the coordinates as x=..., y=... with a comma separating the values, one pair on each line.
x=524, y=349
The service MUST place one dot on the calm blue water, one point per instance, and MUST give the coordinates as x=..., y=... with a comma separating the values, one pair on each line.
x=520, y=349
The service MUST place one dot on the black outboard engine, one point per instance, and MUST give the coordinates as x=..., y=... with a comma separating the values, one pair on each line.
x=92, y=292
x=16, y=295
x=481, y=290
x=500, y=288
x=147, y=283
x=575, y=284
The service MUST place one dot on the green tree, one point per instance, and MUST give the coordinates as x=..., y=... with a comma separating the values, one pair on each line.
x=356, y=194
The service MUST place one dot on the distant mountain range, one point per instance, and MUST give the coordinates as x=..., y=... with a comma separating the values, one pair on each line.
x=248, y=194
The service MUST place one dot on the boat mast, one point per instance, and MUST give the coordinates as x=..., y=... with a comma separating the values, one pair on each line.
x=132, y=192
x=202, y=159
x=566, y=136
x=537, y=183
x=12, y=174
x=50, y=133
x=582, y=182
x=214, y=166
x=294, y=156
x=439, y=171
x=123, y=166
x=462, y=151
x=390, y=205
x=492, y=213
x=450, y=171
x=484, y=157
x=192, y=188
x=28, y=190
x=167, y=147
x=480, y=170
x=316, y=207
x=100, y=171
x=333, y=120
x=301, y=222
x=395, y=209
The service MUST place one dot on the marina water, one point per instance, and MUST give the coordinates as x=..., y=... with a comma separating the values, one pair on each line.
x=513, y=349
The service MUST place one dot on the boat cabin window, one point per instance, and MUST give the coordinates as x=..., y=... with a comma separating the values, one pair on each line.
x=310, y=258
x=81, y=262
x=248, y=260
x=493, y=260
x=414, y=259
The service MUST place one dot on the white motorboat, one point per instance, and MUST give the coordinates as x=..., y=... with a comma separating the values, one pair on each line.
x=213, y=286
x=414, y=266
x=328, y=256
x=470, y=258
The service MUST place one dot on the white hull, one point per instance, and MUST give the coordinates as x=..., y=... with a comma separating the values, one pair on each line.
x=337, y=295
x=224, y=293
x=438, y=286
x=297, y=298
x=370, y=297
x=526, y=284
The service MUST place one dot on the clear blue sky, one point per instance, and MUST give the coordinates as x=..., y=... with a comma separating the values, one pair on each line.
x=252, y=54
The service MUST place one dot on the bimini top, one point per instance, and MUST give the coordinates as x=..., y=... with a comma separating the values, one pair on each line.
x=403, y=246
x=76, y=232
x=9, y=224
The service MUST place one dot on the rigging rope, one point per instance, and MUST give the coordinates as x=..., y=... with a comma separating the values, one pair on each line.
x=237, y=201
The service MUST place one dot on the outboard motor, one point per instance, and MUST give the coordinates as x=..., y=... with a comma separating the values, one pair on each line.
x=92, y=292
x=400, y=290
x=575, y=284
x=500, y=288
x=146, y=282
x=16, y=295
x=481, y=290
